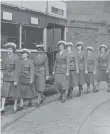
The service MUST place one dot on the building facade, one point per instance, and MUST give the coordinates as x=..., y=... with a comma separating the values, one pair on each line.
x=28, y=23
x=89, y=21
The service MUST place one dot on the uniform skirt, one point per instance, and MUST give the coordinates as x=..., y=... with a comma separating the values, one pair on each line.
x=40, y=83
x=27, y=91
x=101, y=75
x=81, y=77
x=89, y=77
x=61, y=81
x=73, y=79
x=9, y=90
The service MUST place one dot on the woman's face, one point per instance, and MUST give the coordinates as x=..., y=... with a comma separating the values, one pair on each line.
x=79, y=48
x=24, y=55
x=10, y=51
x=102, y=49
x=61, y=47
x=89, y=51
x=68, y=48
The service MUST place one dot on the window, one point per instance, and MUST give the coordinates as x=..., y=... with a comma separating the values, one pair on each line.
x=31, y=36
x=9, y=33
x=108, y=30
x=57, y=11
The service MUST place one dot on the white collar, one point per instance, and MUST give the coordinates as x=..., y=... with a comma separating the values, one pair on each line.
x=61, y=52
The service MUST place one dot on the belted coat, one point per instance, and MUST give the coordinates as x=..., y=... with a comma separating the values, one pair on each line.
x=102, y=66
x=27, y=90
x=73, y=68
x=61, y=67
x=10, y=75
x=40, y=61
x=82, y=66
x=91, y=67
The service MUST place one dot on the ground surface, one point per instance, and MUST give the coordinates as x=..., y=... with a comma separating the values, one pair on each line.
x=88, y=114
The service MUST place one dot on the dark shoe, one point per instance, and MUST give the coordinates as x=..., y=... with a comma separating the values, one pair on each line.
x=37, y=105
x=95, y=91
x=60, y=98
x=78, y=95
x=70, y=96
x=63, y=100
x=15, y=111
x=108, y=90
x=87, y=92
x=41, y=101
x=30, y=104
x=2, y=112
x=20, y=108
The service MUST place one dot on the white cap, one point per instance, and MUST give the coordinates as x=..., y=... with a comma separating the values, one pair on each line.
x=103, y=45
x=89, y=47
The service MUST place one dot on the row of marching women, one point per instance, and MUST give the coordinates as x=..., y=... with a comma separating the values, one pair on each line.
x=77, y=68
x=24, y=78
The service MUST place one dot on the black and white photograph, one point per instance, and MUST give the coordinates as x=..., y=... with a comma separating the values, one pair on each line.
x=55, y=67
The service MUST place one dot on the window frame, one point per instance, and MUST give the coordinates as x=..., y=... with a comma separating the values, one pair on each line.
x=58, y=10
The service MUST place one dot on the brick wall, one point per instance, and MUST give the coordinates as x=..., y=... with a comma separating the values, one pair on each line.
x=87, y=10
x=88, y=21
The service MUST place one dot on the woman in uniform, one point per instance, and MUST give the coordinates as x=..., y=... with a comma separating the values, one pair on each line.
x=41, y=72
x=73, y=69
x=61, y=70
x=82, y=65
x=109, y=71
x=27, y=90
x=91, y=69
x=102, y=72
x=10, y=76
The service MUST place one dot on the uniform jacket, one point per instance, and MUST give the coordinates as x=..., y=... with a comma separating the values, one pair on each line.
x=73, y=61
x=103, y=62
x=82, y=62
x=11, y=68
x=41, y=64
x=91, y=63
x=62, y=63
x=27, y=71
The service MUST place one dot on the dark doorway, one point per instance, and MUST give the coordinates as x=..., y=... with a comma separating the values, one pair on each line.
x=54, y=34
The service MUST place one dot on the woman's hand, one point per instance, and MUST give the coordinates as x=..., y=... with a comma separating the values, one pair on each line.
x=15, y=83
x=53, y=73
x=31, y=81
x=86, y=71
x=47, y=77
x=107, y=71
x=67, y=74
x=94, y=72
x=77, y=71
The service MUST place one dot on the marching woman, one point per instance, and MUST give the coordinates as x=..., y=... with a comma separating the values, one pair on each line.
x=41, y=73
x=91, y=69
x=103, y=67
x=109, y=71
x=27, y=90
x=73, y=69
x=61, y=70
x=82, y=65
x=10, y=76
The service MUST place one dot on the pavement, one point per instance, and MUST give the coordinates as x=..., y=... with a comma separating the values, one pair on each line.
x=88, y=114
